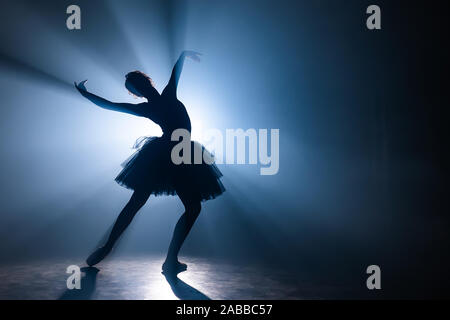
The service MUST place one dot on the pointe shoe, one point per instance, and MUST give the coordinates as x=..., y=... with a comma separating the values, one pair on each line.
x=97, y=256
x=173, y=267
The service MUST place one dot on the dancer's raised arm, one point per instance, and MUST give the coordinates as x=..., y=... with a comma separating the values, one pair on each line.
x=171, y=88
x=134, y=109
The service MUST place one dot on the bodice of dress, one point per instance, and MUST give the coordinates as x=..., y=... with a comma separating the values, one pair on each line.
x=169, y=114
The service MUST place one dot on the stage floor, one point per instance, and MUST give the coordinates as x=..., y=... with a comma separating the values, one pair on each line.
x=141, y=278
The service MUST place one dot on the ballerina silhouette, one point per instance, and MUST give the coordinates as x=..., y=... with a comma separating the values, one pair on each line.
x=150, y=170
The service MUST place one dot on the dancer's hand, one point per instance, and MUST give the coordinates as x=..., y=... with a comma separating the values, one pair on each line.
x=81, y=87
x=192, y=55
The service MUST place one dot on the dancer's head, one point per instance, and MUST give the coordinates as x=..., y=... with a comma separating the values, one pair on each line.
x=140, y=85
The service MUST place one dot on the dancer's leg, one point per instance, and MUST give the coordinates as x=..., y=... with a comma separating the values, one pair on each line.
x=184, y=225
x=137, y=200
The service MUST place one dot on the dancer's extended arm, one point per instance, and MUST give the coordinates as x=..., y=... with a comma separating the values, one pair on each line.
x=134, y=109
x=171, y=87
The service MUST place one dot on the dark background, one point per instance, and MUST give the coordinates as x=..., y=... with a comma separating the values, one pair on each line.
x=363, y=132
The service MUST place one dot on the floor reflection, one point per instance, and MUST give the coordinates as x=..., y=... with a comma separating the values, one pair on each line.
x=183, y=291
x=141, y=278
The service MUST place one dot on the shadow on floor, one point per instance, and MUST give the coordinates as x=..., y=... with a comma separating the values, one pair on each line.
x=88, y=284
x=183, y=291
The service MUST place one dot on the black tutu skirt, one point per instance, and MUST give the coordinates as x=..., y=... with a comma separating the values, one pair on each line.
x=151, y=169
